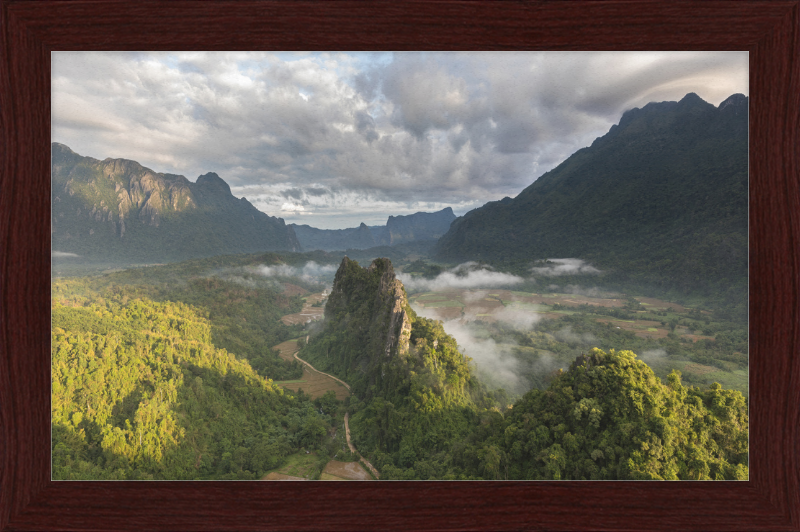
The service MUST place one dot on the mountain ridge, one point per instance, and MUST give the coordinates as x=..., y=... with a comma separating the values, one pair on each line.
x=662, y=194
x=417, y=227
x=118, y=209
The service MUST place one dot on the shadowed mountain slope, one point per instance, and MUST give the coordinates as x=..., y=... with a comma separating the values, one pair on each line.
x=661, y=198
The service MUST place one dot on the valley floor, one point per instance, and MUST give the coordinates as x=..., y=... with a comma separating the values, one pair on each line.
x=544, y=331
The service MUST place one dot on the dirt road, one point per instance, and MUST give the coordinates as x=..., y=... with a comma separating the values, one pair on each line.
x=283, y=347
x=346, y=417
x=352, y=447
x=320, y=372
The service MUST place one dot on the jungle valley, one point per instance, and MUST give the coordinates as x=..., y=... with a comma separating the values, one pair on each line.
x=593, y=327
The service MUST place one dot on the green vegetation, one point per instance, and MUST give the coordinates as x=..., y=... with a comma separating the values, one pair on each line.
x=428, y=271
x=167, y=372
x=554, y=343
x=140, y=392
x=413, y=391
x=244, y=316
x=666, y=339
x=610, y=417
x=419, y=413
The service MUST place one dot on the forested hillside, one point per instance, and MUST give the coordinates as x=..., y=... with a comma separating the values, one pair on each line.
x=610, y=417
x=167, y=372
x=659, y=201
x=140, y=392
x=414, y=392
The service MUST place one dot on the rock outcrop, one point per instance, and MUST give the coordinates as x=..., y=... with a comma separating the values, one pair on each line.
x=416, y=227
x=368, y=325
x=374, y=341
x=375, y=292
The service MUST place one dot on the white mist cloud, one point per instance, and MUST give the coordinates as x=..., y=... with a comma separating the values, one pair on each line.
x=467, y=275
x=311, y=271
x=567, y=335
x=496, y=363
x=63, y=254
x=652, y=355
x=281, y=270
x=517, y=318
x=581, y=291
x=556, y=267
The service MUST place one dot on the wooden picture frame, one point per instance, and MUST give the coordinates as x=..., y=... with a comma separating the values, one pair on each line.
x=769, y=30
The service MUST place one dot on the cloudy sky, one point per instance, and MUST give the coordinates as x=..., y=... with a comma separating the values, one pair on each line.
x=332, y=140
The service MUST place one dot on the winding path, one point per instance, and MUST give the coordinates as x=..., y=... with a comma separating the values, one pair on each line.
x=320, y=372
x=353, y=450
x=346, y=416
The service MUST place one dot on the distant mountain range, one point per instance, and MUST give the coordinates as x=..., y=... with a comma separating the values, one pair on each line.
x=661, y=198
x=117, y=209
x=421, y=226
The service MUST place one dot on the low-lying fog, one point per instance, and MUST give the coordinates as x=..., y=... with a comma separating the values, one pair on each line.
x=496, y=363
x=314, y=276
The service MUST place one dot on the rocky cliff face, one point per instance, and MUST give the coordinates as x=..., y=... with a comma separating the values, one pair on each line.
x=375, y=292
x=117, y=209
x=374, y=341
x=391, y=295
x=367, y=329
x=312, y=238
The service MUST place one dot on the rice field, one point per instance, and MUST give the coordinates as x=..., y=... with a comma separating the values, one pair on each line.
x=313, y=383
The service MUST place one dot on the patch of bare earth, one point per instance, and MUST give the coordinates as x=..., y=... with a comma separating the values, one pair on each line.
x=639, y=328
x=696, y=337
x=281, y=476
x=483, y=306
x=445, y=313
x=287, y=349
x=315, y=385
x=576, y=301
x=308, y=313
x=336, y=470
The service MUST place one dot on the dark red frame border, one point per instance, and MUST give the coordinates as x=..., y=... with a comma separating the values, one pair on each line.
x=769, y=30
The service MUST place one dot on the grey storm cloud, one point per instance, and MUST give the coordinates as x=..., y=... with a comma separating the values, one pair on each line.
x=365, y=125
x=295, y=193
x=389, y=130
x=311, y=191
